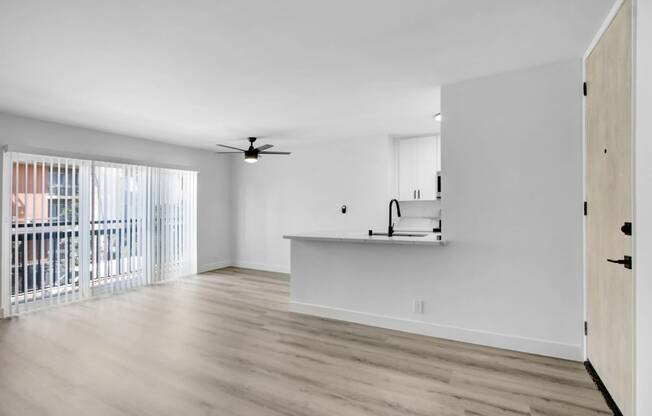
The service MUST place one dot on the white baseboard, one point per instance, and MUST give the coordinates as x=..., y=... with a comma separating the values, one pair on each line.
x=213, y=266
x=262, y=266
x=510, y=342
x=244, y=264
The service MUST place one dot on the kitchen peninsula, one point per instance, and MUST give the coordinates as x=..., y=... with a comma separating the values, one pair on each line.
x=352, y=276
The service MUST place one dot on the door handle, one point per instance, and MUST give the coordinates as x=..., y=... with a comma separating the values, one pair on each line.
x=625, y=261
x=419, y=193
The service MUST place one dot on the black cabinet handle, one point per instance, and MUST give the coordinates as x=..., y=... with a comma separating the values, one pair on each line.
x=415, y=194
x=419, y=193
x=625, y=261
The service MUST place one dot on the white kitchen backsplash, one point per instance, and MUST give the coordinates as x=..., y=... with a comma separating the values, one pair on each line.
x=428, y=209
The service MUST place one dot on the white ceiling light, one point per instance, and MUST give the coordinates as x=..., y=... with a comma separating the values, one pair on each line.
x=438, y=117
x=251, y=157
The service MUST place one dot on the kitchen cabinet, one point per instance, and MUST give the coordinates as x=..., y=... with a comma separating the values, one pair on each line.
x=418, y=164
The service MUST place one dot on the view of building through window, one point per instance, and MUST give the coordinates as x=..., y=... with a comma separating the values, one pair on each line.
x=45, y=212
x=80, y=228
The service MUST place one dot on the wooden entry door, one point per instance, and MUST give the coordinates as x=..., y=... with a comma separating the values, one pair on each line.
x=609, y=285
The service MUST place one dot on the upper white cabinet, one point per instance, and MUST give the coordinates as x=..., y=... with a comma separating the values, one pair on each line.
x=407, y=169
x=418, y=164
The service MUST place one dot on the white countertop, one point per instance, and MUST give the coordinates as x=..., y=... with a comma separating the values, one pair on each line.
x=364, y=237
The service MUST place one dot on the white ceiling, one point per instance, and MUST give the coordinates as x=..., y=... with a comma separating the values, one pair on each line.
x=197, y=72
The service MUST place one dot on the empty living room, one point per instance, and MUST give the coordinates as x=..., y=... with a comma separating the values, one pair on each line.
x=326, y=208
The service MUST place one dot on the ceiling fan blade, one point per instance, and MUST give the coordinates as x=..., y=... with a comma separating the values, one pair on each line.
x=231, y=147
x=265, y=147
x=227, y=153
x=275, y=153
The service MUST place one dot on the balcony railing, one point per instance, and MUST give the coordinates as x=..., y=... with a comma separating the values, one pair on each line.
x=51, y=266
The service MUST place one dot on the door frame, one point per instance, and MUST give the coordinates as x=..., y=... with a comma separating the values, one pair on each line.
x=603, y=28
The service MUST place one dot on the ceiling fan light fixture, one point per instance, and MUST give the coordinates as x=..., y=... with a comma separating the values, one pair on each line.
x=251, y=157
x=251, y=154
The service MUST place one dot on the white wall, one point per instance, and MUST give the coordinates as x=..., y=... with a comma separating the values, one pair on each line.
x=214, y=232
x=376, y=284
x=512, y=158
x=643, y=208
x=304, y=192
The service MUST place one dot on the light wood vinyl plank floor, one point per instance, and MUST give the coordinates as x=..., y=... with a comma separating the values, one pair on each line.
x=224, y=343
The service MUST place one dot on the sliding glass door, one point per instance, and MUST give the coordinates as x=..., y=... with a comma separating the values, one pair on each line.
x=76, y=228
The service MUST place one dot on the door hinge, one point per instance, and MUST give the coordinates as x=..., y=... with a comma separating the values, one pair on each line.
x=586, y=208
x=586, y=328
x=585, y=89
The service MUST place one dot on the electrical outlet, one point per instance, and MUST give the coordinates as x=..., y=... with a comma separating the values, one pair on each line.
x=417, y=306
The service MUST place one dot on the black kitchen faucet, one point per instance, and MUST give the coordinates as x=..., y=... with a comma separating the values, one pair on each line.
x=390, y=228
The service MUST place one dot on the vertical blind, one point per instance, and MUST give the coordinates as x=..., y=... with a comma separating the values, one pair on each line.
x=77, y=228
x=117, y=222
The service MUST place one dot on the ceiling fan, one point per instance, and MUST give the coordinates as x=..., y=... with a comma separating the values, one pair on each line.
x=251, y=154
